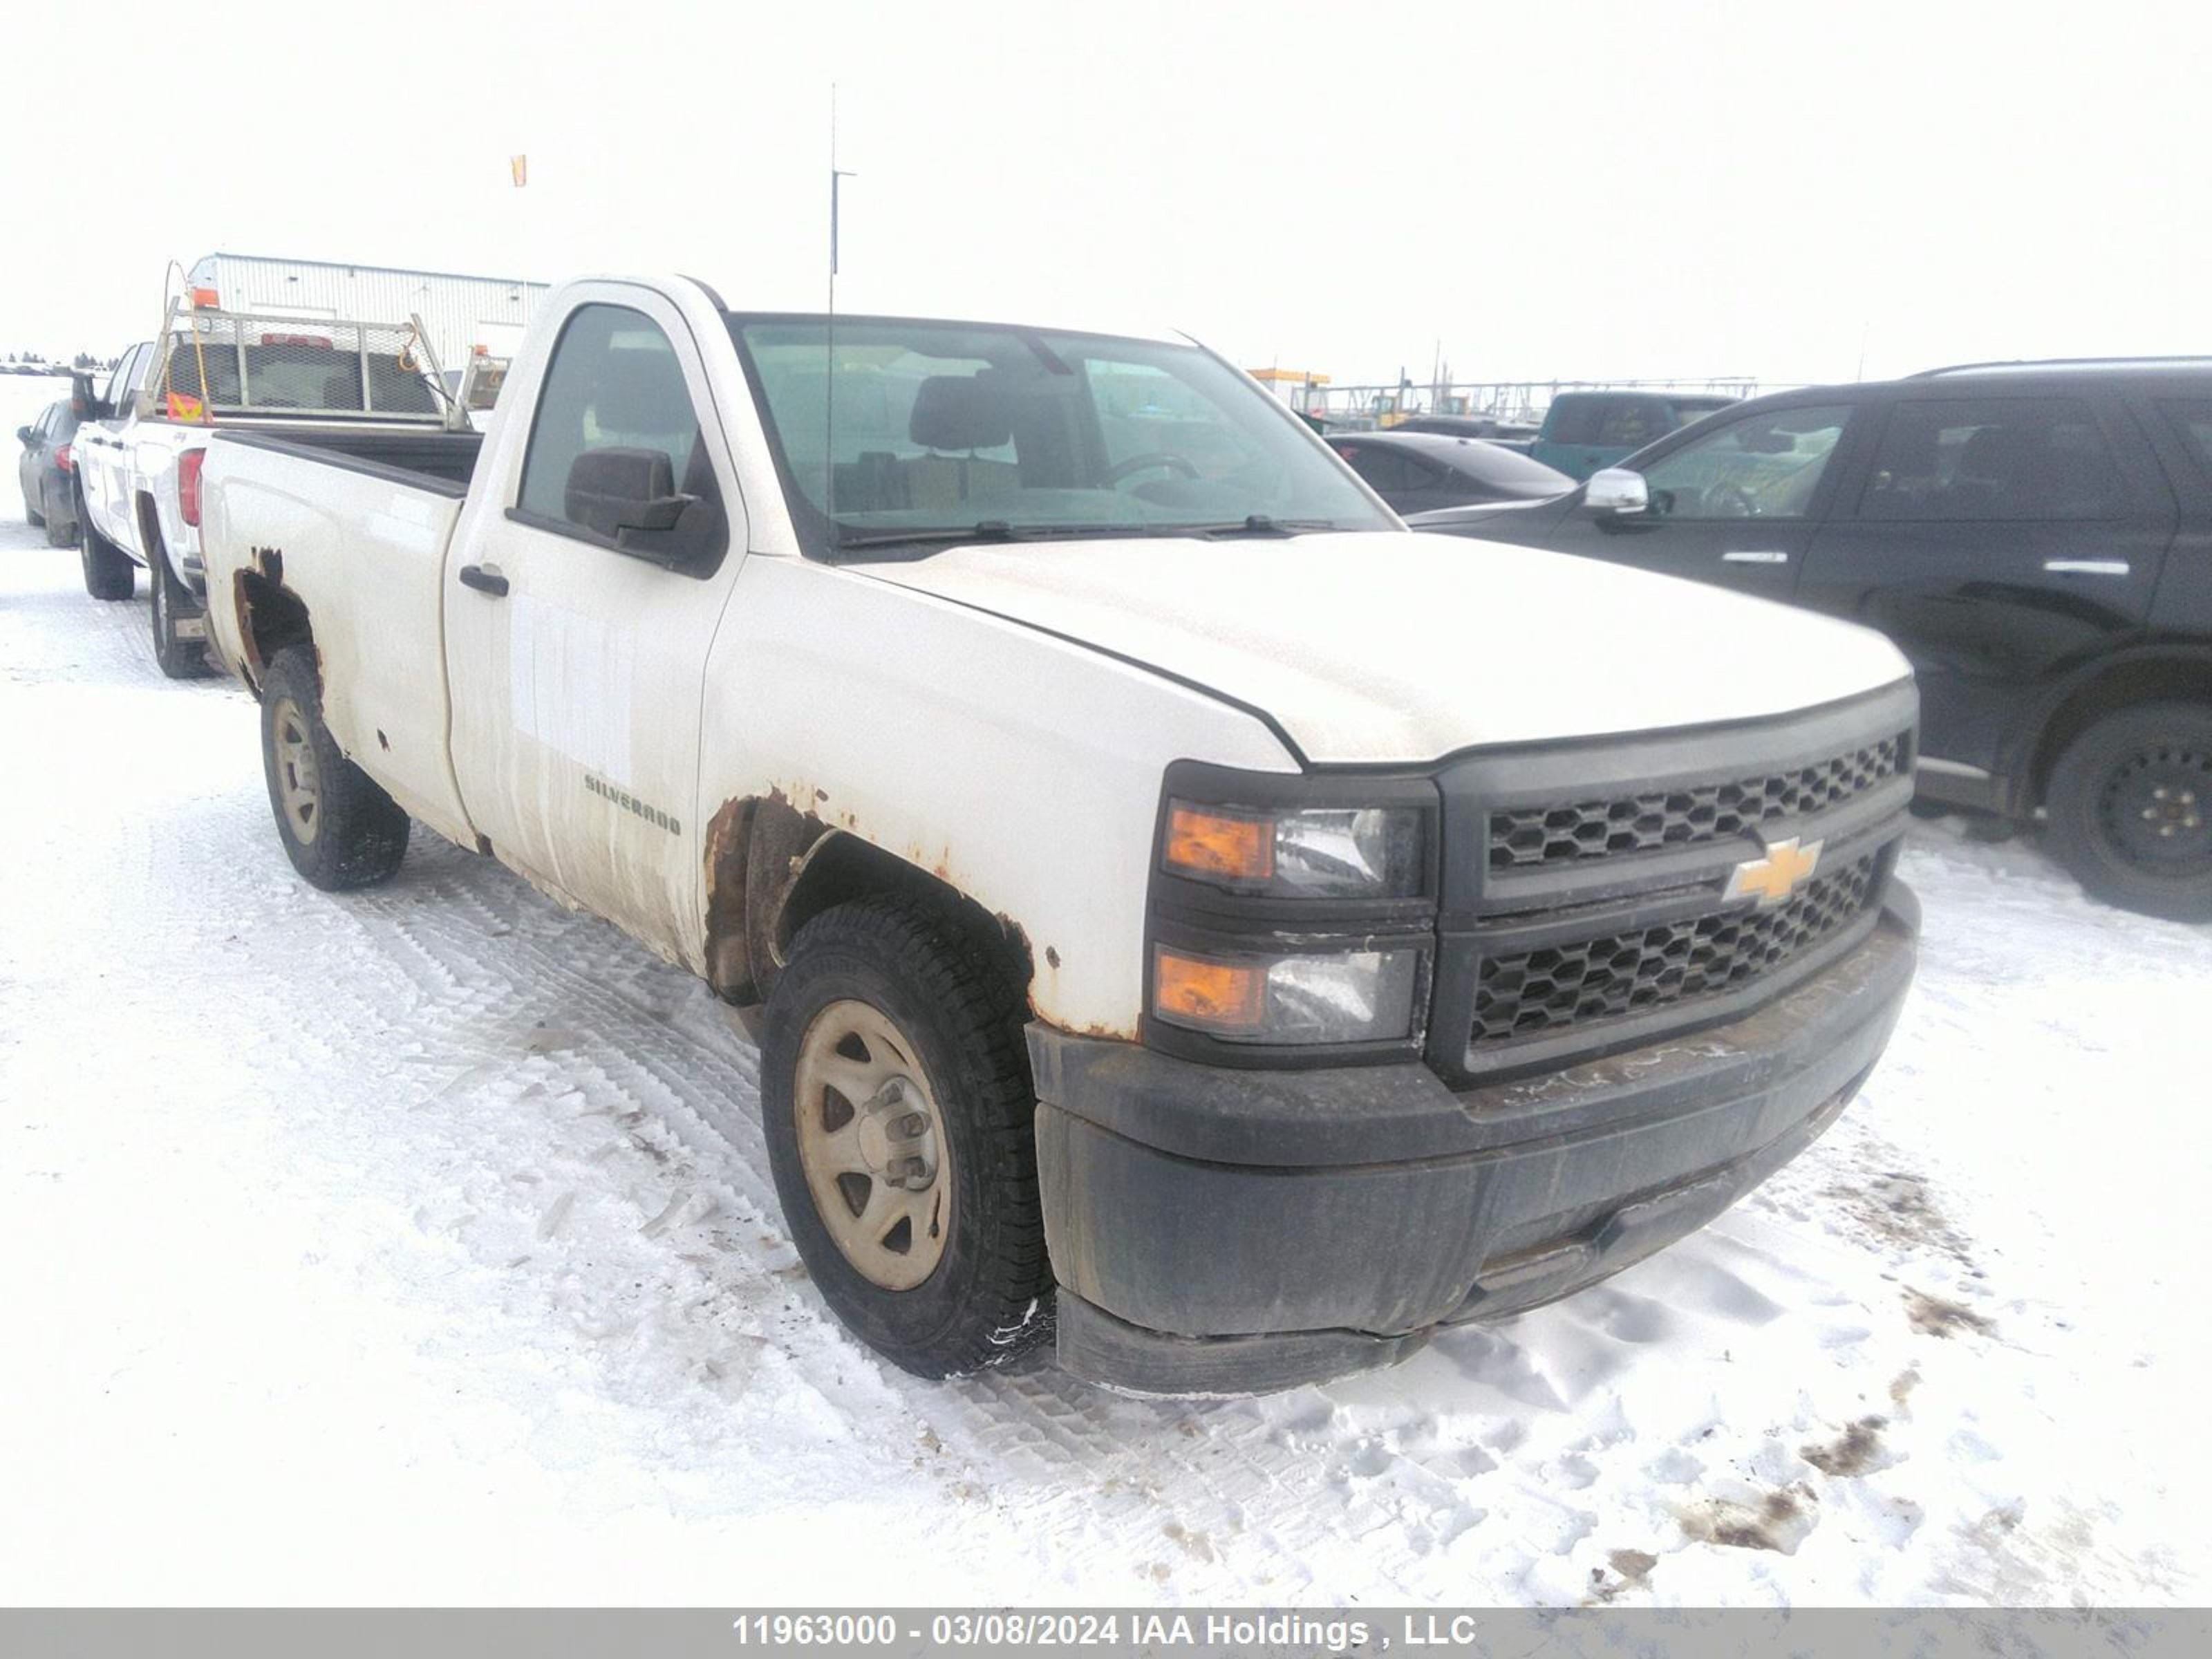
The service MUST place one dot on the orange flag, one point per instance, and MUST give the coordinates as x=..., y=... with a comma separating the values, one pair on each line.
x=191, y=411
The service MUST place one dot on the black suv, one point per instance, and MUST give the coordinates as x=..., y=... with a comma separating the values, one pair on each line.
x=2036, y=537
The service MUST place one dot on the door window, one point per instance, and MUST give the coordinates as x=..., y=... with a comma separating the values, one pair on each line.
x=616, y=385
x=1573, y=420
x=122, y=382
x=1993, y=458
x=1763, y=466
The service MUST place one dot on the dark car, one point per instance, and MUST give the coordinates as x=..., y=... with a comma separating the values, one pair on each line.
x=1418, y=472
x=45, y=470
x=2036, y=537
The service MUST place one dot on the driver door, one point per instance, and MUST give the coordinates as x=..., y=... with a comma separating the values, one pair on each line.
x=1736, y=505
x=576, y=651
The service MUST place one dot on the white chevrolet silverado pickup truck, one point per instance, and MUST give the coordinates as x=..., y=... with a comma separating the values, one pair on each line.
x=371, y=388
x=1186, y=915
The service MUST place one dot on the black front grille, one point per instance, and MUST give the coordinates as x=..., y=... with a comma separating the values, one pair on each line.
x=1561, y=986
x=1681, y=817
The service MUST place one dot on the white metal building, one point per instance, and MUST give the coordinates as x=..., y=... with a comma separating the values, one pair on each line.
x=458, y=313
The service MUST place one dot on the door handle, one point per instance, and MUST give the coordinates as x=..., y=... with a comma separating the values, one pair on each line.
x=485, y=579
x=2087, y=566
x=1756, y=556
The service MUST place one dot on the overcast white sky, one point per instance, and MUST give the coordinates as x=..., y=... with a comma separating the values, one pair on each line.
x=1592, y=189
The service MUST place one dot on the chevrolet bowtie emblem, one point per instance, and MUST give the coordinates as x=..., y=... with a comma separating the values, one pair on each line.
x=1774, y=877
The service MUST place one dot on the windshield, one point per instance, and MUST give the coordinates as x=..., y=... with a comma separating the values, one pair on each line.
x=913, y=434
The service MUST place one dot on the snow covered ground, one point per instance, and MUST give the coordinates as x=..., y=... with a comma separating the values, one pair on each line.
x=419, y=1246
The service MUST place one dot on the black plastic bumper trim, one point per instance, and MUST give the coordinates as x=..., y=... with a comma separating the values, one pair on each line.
x=1218, y=1232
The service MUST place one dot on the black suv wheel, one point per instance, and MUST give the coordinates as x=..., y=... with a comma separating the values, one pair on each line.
x=2130, y=806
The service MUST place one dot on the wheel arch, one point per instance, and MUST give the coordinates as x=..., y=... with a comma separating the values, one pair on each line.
x=271, y=616
x=772, y=868
x=2175, y=671
x=152, y=542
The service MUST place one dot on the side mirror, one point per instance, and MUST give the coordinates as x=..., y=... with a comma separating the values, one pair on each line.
x=26, y=436
x=619, y=492
x=84, y=402
x=1614, y=492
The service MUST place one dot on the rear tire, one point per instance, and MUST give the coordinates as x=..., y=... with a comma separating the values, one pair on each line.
x=108, y=573
x=59, y=534
x=2130, y=809
x=339, y=829
x=178, y=657
x=910, y=1007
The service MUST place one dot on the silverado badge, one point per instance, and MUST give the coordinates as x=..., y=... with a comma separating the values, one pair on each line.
x=1773, y=878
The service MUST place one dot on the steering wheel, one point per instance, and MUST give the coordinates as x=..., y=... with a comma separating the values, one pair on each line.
x=1151, y=458
x=1729, y=501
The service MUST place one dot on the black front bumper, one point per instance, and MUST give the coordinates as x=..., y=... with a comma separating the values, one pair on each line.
x=1220, y=1231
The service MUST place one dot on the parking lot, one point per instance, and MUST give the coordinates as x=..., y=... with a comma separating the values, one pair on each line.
x=425, y=1236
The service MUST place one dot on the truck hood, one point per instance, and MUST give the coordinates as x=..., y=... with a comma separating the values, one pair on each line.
x=1394, y=647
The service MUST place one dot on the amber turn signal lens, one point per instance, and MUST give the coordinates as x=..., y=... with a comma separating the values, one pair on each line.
x=1232, y=846
x=1220, y=995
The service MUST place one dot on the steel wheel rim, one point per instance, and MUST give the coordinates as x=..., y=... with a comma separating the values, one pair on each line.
x=881, y=1181
x=299, y=781
x=2157, y=808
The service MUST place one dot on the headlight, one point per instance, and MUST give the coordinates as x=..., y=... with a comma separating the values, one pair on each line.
x=1348, y=996
x=1320, y=853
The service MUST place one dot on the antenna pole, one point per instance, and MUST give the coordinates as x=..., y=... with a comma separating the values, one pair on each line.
x=830, y=330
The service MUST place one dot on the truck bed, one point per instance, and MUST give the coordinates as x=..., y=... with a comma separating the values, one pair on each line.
x=441, y=461
x=352, y=527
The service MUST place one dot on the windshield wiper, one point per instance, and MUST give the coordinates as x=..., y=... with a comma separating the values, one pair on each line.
x=995, y=529
x=1255, y=524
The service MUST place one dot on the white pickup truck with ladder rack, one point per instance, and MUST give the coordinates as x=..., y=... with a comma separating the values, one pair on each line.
x=366, y=387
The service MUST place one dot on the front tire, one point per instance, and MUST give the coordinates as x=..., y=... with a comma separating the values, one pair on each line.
x=2130, y=809
x=179, y=658
x=32, y=515
x=339, y=829
x=899, y=1113
x=108, y=573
